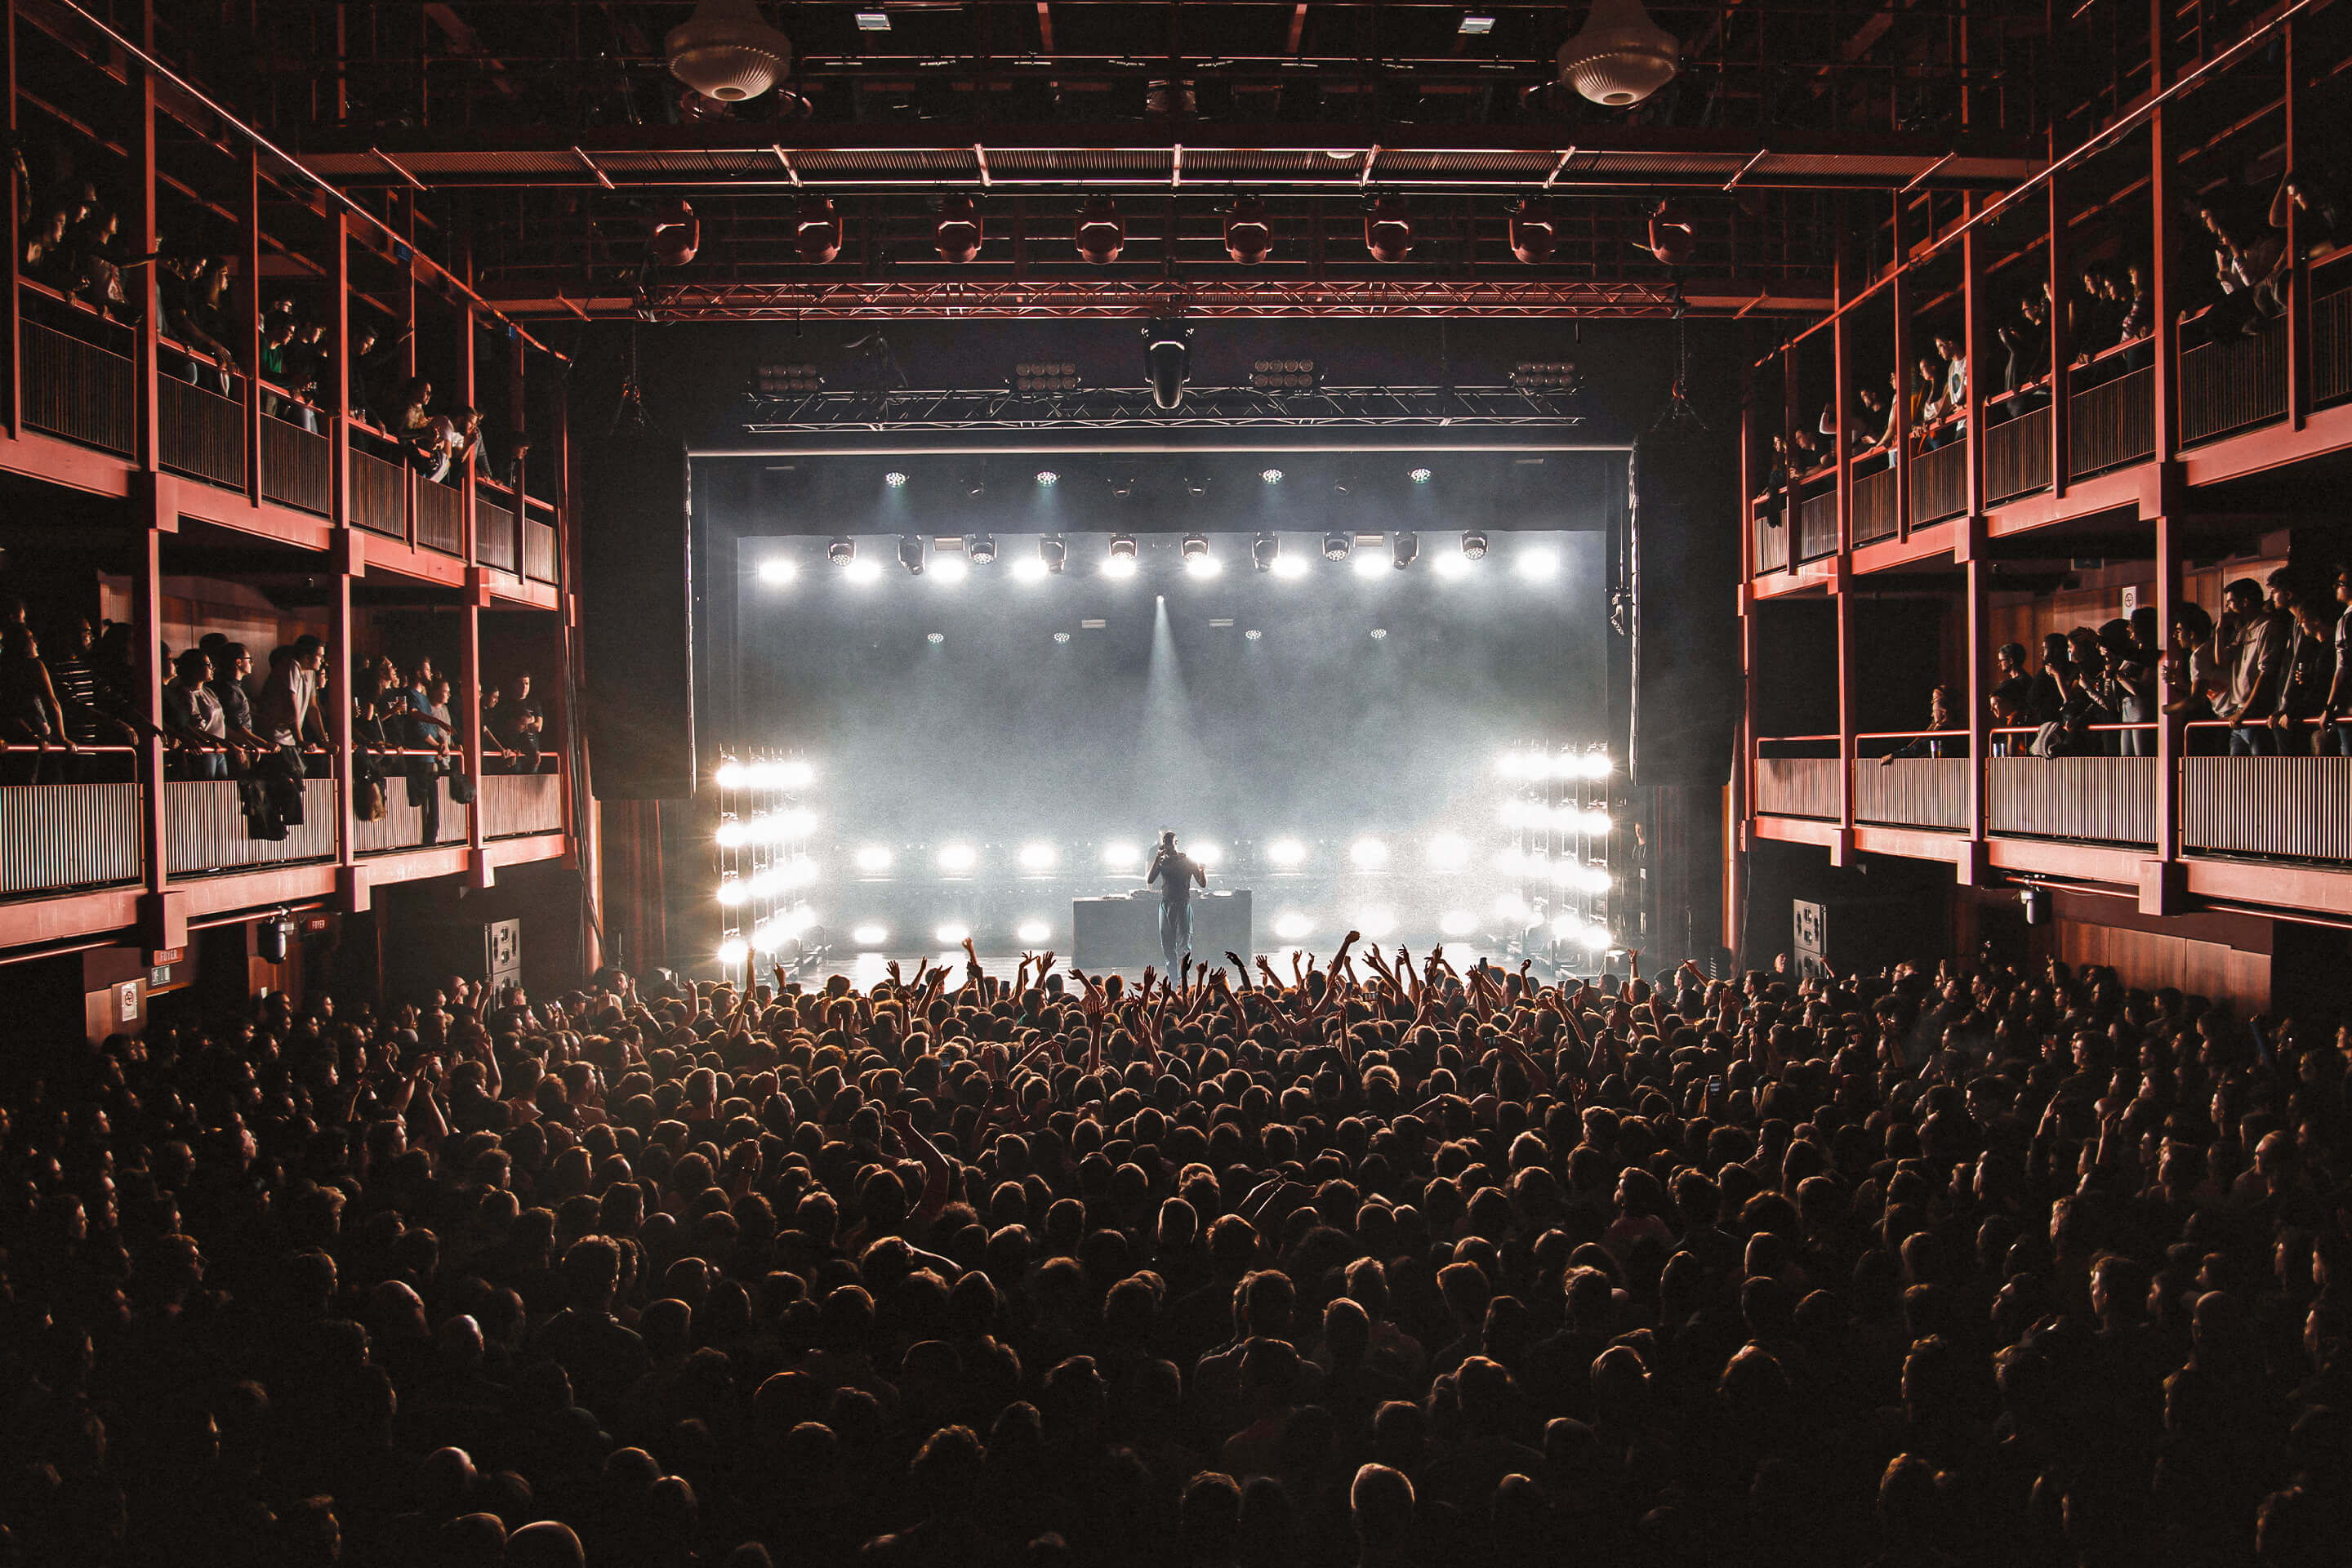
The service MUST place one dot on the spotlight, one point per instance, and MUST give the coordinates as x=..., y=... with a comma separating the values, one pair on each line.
x=1449, y=566
x=1290, y=925
x=874, y=858
x=1511, y=907
x=1270, y=476
x=1474, y=544
x=1387, y=229
x=1208, y=854
x=911, y=553
x=949, y=569
x=1377, y=921
x=1594, y=823
x=1120, y=856
x=817, y=235
x=863, y=572
x=730, y=775
x=1368, y=853
x=1168, y=360
x=1567, y=925
x=1419, y=476
x=1054, y=553
x=1368, y=564
x=1120, y=563
x=870, y=935
x=981, y=549
x=1252, y=634
x=957, y=233
x=842, y=550
x=1403, y=549
x=776, y=569
x=1475, y=27
x=1596, y=764
x=1282, y=375
x=1045, y=376
x=734, y=949
x=1249, y=236
x=1457, y=922
x=732, y=893
x=732, y=835
x=1563, y=872
x=1539, y=565
x=958, y=857
x=1291, y=566
x=1101, y=233
x=895, y=480
x=953, y=934
x=1449, y=852
x=1060, y=638
x=1286, y=852
x=1033, y=930
x=1557, y=375
x=1048, y=477
x=1029, y=569
x=795, y=776
x=1532, y=232
x=1593, y=879
x=935, y=638
x=1198, y=562
x=1038, y=857
x=1339, y=544
x=1265, y=552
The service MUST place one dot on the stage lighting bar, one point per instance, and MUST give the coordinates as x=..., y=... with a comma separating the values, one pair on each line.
x=1547, y=375
x=1046, y=376
x=1039, y=858
x=1198, y=562
x=980, y=549
x=1368, y=565
x=1121, y=857
x=1339, y=544
x=1283, y=375
x=1288, y=854
x=778, y=570
x=958, y=859
x=1120, y=560
x=949, y=569
x=874, y=859
x=841, y=551
x=911, y=553
x=790, y=774
x=1537, y=565
x=870, y=936
x=1474, y=544
x=786, y=380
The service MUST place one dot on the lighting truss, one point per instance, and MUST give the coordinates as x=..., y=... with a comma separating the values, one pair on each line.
x=1131, y=407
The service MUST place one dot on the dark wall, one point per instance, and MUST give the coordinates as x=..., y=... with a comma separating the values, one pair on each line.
x=636, y=617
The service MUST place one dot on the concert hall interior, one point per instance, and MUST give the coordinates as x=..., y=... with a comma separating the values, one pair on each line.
x=1208, y=785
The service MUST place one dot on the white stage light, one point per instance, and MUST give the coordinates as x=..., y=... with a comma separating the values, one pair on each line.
x=1368, y=853
x=1119, y=566
x=1030, y=569
x=958, y=857
x=951, y=933
x=800, y=871
x=1511, y=907
x=1121, y=857
x=1207, y=853
x=1290, y=925
x=795, y=776
x=1048, y=477
x=730, y=775
x=870, y=935
x=1449, y=566
x=776, y=569
x=733, y=835
x=1567, y=925
x=895, y=480
x=1457, y=922
x=732, y=893
x=1038, y=857
x=1596, y=936
x=1449, y=852
x=1271, y=476
x=1539, y=565
x=798, y=822
x=863, y=572
x=1594, y=823
x=1593, y=879
x=1563, y=873
x=795, y=921
x=1290, y=566
x=1034, y=930
x=1377, y=921
x=1369, y=565
x=873, y=859
x=1286, y=852
x=1202, y=566
x=734, y=949
x=949, y=569
x=1419, y=476
x=1596, y=764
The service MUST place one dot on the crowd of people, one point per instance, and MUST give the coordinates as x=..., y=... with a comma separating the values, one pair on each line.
x=1371, y=1260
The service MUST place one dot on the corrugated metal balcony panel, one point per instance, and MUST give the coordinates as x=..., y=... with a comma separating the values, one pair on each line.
x=2108, y=800
x=1797, y=786
x=57, y=837
x=2295, y=808
x=401, y=827
x=205, y=829
x=518, y=803
x=1913, y=792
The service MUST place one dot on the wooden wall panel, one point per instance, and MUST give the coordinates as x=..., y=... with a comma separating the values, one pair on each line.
x=2147, y=961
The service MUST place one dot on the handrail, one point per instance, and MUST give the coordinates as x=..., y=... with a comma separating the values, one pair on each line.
x=1906, y=734
x=326, y=187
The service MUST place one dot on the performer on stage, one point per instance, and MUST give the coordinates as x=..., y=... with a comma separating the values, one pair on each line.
x=1175, y=871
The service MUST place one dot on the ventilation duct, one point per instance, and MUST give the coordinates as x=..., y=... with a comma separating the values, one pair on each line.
x=1620, y=57
x=725, y=51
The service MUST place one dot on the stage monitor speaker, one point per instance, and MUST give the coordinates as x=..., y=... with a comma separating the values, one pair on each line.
x=637, y=618
x=1686, y=579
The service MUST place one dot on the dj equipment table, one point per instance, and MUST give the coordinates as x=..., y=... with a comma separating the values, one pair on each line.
x=1122, y=930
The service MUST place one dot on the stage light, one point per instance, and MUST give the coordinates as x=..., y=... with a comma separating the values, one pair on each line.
x=1369, y=565
x=1368, y=853
x=734, y=949
x=1290, y=925
x=1403, y=549
x=1457, y=922
x=1290, y=566
x=870, y=935
x=980, y=549
x=730, y=775
x=1377, y=921
x=1339, y=544
x=1101, y=233
x=1533, y=232
x=1033, y=930
x=776, y=569
x=1252, y=634
x=800, y=871
x=1539, y=565
x=1265, y=552
x=1048, y=477
x=911, y=553
x=1567, y=925
x=1060, y=638
x=1379, y=634
x=872, y=21
x=1593, y=824
x=1054, y=553
x=1475, y=27
x=1419, y=476
x=874, y=858
x=798, y=822
x=733, y=892
x=1282, y=375
x=1387, y=229
x=1038, y=857
x=949, y=569
x=863, y=572
x=1511, y=907
x=953, y=934
x=1249, y=235
x=935, y=638
x=1596, y=764
x=1270, y=476
x=1286, y=853
x=1474, y=544
x=1207, y=853
x=1198, y=562
x=1449, y=852
x=1119, y=566
x=733, y=836
x=818, y=235
x=957, y=233
x=958, y=857
x=1029, y=569
x=895, y=480
x=1449, y=566
x=1120, y=856
x=842, y=550
x=1563, y=873
x=1593, y=879
x=1167, y=360
x=795, y=774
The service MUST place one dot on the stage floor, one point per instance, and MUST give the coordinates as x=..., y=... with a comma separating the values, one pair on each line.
x=865, y=969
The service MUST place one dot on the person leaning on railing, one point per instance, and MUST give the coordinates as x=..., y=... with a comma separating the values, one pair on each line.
x=1939, y=716
x=2306, y=678
x=2253, y=640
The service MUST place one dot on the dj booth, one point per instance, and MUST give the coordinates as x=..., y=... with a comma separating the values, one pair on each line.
x=1121, y=930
